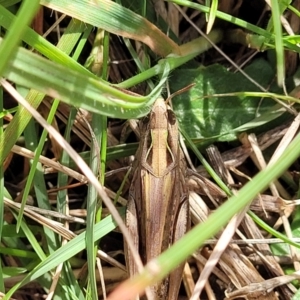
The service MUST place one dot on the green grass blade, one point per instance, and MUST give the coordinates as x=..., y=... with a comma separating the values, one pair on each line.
x=32, y=239
x=31, y=143
x=117, y=19
x=276, y=15
x=74, y=88
x=36, y=175
x=6, y=3
x=236, y=21
x=14, y=35
x=62, y=181
x=64, y=253
x=212, y=15
x=57, y=53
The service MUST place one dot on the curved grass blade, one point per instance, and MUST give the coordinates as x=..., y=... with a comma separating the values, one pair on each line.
x=74, y=88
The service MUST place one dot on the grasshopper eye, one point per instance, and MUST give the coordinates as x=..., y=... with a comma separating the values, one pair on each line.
x=171, y=117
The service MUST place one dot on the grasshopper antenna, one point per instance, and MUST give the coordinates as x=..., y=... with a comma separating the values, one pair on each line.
x=183, y=90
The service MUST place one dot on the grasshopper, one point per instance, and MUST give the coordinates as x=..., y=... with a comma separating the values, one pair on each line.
x=158, y=210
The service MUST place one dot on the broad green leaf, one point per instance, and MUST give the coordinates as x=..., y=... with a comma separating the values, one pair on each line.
x=207, y=117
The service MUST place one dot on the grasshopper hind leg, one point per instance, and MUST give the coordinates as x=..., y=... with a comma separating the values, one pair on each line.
x=182, y=225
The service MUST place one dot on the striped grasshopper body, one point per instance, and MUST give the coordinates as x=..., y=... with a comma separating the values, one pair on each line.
x=158, y=211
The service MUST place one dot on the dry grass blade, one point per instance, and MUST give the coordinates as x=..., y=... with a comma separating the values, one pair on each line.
x=236, y=266
x=232, y=259
x=29, y=209
x=236, y=156
x=50, y=163
x=53, y=225
x=257, y=289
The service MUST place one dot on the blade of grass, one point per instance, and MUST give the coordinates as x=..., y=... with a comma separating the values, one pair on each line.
x=57, y=53
x=98, y=166
x=33, y=71
x=18, y=253
x=212, y=15
x=13, y=36
x=236, y=21
x=119, y=20
x=92, y=199
x=37, y=148
x=206, y=165
x=189, y=51
x=62, y=206
x=32, y=239
x=294, y=10
x=276, y=17
x=64, y=253
x=9, y=2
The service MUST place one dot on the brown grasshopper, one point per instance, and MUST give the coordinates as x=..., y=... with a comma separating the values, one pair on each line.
x=158, y=209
